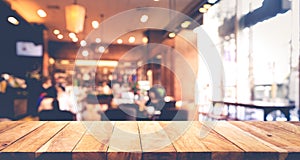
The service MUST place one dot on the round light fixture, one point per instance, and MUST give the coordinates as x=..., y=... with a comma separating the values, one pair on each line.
x=101, y=49
x=172, y=35
x=60, y=36
x=119, y=41
x=56, y=31
x=131, y=39
x=144, y=18
x=83, y=43
x=98, y=40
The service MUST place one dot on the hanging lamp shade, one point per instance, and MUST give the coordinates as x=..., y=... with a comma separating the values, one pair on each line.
x=75, y=15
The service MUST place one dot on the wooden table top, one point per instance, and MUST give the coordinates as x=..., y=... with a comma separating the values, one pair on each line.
x=141, y=140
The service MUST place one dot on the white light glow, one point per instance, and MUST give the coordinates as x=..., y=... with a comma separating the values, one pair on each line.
x=101, y=49
x=13, y=20
x=185, y=24
x=83, y=43
x=131, y=39
x=56, y=31
x=98, y=40
x=119, y=41
x=85, y=53
x=212, y=1
x=41, y=13
x=172, y=35
x=60, y=36
x=145, y=40
x=72, y=35
x=144, y=18
x=95, y=24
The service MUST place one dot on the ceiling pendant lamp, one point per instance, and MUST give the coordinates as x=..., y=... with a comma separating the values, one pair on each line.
x=75, y=15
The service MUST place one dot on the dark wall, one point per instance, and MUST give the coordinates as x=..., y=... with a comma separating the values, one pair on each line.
x=9, y=35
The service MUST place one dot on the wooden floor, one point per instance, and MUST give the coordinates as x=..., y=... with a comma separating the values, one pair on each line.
x=149, y=140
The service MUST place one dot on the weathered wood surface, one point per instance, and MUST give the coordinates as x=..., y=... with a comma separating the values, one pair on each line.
x=149, y=140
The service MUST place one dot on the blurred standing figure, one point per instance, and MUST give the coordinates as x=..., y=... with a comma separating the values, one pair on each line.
x=66, y=103
x=105, y=88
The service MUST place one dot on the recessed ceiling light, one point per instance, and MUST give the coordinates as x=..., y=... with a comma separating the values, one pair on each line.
x=212, y=1
x=172, y=35
x=83, y=43
x=155, y=0
x=145, y=40
x=60, y=36
x=75, y=39
x=185, y=24
x=72, y=35
x=85, y=53
x=101, y=49
x=41, y=13
x=202, y=10
x=119, y=41
x=51, y=60
x=13, y=20
x=95, y=24
x=206, y=6
x=98, y=40
x=56, y=31
x=131, y=39
x=144, y=18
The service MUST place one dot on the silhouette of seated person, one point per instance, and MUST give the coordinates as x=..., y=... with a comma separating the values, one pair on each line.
x=56, y=114
x=156, y=98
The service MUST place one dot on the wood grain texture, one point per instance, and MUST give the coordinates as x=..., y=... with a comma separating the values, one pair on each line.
x=9, y=136
x=61, y=145
x=253, y=148
x=149, y=140
x=94, y=143
x=219, y=146
x=29, y=144
x=6, y=125
x=125, y=141
x=155, y=141
x=186, y=141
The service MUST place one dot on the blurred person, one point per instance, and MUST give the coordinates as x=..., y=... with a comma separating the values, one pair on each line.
x=55, y=114
x=106, y=88
x=66, y=103
x=45, y=100
x=6, y=98
x=156, y=98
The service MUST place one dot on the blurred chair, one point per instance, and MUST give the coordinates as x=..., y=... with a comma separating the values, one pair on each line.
x=170, y=105
x=51, y=115
x=174, y=115
x=124, y=114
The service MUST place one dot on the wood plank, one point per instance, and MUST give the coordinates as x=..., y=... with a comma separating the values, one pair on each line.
x=279, y=130
x=125, y=141
x=30, y=143
x=94, y=143
x=155, y=141
x=220, y=147
x=294, y=123
x=6, y=125
x=12, y=135
x=61, y=145
x=284, y=132
x=253, y=148
x=185, y=140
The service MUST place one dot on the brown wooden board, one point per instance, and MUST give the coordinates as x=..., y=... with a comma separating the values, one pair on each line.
x=94, y=143
x=61, y=145
x=125, y=141
x=29, y=144
x=155, y=141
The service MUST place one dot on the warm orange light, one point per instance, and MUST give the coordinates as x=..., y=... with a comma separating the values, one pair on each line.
x=75, y=15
